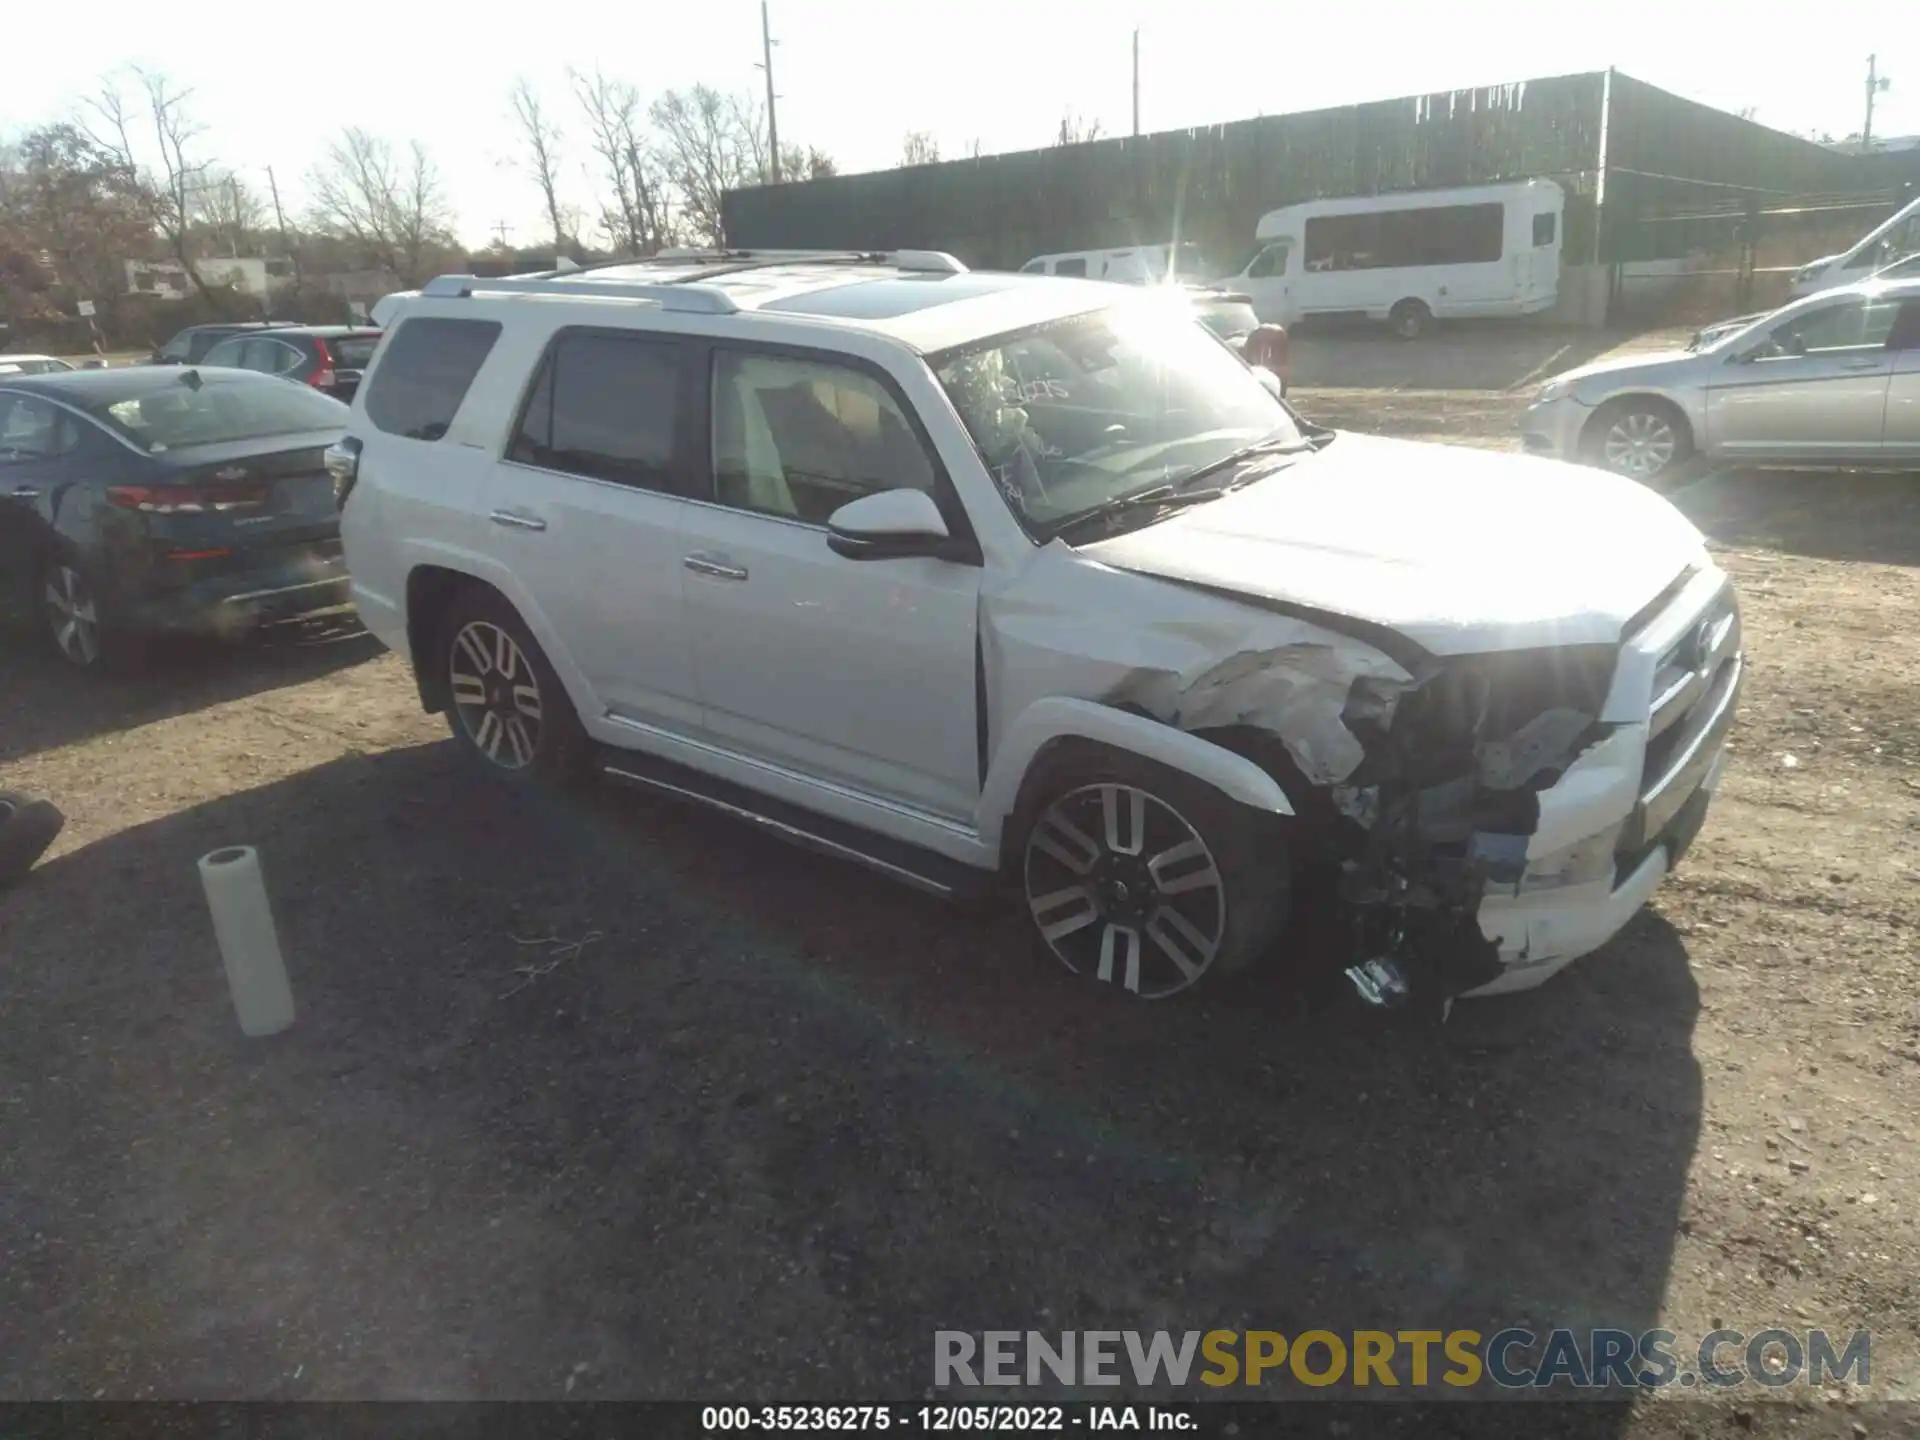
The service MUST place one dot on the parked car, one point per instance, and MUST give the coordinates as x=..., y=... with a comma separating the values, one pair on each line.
x=1887, y=243
x=327, y=357
x=1126, y=265
x=32, y=365
x=1833, y=379
x=970, y=577
x=190, y=346
x=1409, y=258
x=1232, y=318
x=142, y=499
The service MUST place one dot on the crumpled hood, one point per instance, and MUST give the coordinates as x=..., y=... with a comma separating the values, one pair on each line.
x=1462, y=551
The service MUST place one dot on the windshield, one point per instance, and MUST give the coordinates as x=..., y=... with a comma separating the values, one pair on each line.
x=1083, y=411
x=224, y=406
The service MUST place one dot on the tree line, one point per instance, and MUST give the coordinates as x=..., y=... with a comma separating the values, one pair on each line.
x=134, y=174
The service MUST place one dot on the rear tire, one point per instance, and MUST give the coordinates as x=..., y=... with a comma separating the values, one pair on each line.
x=74, y=620
x=1410, y=319
x=1639, y=438
x=27, y=827
x=505, y=704
x=1144, y=879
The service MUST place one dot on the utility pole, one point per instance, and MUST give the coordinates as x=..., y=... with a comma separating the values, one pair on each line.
x=1136, y=80
x=280, y=220
x=500, y=232
x=773, y=125
x=1877, y=84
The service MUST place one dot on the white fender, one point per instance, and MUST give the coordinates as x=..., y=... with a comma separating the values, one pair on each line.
x=1056, y=716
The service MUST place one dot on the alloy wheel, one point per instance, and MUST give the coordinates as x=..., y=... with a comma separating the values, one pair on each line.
x=496, y=694
x=1123, y=888
x=73, y=615
x=1641, y=444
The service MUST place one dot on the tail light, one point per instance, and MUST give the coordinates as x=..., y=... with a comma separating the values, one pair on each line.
x=323, y=378
x=187, y=499
x=342, y=460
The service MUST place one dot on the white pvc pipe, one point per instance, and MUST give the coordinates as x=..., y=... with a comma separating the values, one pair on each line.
x=249, y=945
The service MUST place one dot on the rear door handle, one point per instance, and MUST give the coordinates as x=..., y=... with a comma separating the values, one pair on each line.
x=26, y=492
x=715, y=565
x=515, y=520
x=1861, y=364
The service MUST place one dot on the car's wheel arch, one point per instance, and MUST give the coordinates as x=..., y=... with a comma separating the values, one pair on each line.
x=1605, y=410
x=1057, y=733
x=432, y=587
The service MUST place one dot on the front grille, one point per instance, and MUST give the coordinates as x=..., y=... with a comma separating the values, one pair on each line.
x=1695, y=685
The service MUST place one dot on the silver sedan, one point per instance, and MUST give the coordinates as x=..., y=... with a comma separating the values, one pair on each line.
x=1833, y=379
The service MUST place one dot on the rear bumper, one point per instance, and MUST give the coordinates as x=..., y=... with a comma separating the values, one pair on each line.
x=297, y=588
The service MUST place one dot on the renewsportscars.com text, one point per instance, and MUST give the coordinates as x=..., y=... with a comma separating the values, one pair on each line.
x=1511, y=1359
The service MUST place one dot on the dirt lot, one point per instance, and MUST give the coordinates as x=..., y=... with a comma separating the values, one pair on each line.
x=779, y=1121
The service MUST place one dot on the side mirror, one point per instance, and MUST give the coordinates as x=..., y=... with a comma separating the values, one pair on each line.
x=888, y=525
x=1270, y=382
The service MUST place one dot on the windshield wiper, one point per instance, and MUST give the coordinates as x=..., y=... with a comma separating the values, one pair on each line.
x=1156, y=497
x=1255, y=451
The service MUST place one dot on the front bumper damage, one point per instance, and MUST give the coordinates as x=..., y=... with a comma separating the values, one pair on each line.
x=1497, y=816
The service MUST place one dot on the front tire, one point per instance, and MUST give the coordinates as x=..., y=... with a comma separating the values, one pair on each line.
x=1145, y=880
x=1641, y=439
x=505, y=704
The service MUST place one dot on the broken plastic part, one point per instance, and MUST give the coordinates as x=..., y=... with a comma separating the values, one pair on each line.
x=1381, y=983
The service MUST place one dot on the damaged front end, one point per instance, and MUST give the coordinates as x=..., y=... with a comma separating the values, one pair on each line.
x=1431, y=771
x=1445, y=804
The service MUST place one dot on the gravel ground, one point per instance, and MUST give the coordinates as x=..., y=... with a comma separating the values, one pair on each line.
x=770, y=1122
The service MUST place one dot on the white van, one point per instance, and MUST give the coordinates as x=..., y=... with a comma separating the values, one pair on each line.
x=1131, y=265
x=1409, y=258
x=1894, y=240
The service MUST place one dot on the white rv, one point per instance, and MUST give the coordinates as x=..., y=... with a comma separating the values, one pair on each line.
x=1409, y=258
x=1884, y=245
x=1131, y=265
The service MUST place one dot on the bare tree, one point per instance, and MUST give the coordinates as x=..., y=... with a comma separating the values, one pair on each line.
x=638, y=218
x=542, y=137
x=819, y=165
x=161, y=108
x=973, y=148
x=228, y=213
x=711, y=143
x=1076, y=130
x=919, y=148
x=391, y=207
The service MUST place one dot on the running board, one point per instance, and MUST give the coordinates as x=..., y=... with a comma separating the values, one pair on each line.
x=923, y=869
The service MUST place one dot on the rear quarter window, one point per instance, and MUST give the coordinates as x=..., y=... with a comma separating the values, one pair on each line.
x=355, y=352
x=425, y=374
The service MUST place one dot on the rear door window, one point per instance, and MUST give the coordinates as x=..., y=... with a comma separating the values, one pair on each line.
x=423, y=378
x=30, y=429
x=353, y=352
x=1070, y=267
x=606, y=406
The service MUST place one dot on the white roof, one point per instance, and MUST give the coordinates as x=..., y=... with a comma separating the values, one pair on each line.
x=925, y=310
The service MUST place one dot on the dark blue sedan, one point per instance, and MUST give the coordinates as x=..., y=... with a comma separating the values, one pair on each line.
x=154, y=499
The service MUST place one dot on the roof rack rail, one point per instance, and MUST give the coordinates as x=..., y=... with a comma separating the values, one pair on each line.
x=936, y=262
x=694, y=299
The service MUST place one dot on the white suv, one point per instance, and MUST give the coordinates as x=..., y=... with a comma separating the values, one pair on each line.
x=974, y=576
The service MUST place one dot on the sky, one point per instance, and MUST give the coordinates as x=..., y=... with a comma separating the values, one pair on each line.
x=853, y=77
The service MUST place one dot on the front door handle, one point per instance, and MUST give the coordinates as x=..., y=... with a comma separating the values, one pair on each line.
x=714, y=565
x=517, y=521
x=1861, y=364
